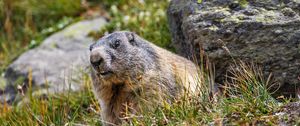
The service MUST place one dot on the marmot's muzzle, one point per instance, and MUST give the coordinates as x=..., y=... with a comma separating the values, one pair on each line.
x=96, y=59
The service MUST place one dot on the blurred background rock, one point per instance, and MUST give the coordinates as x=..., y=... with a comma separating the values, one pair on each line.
x=27, y=23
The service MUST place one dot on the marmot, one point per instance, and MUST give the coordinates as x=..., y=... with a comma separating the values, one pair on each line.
x=127, y=69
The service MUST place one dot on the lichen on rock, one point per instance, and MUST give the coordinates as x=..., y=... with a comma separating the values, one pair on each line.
x=262, y=31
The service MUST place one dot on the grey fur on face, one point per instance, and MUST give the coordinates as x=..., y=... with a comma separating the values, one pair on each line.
x=120, y=54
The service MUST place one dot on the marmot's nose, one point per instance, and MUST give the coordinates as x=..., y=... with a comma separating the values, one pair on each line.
x=96, y=59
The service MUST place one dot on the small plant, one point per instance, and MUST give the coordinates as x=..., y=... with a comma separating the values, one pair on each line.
x=25, y=23
x=145, y=17
x=248, y=94
x=244, y=100
x=67, y=108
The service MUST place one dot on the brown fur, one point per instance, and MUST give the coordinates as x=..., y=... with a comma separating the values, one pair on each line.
x=146, y=85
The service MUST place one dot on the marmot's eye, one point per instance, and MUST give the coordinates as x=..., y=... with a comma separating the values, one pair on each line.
x=92, y=46
x=116, y=44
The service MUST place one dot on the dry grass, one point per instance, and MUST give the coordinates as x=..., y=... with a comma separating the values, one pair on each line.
x=245, y=99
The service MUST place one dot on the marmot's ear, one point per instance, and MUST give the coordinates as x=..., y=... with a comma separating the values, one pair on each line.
x=131, y=38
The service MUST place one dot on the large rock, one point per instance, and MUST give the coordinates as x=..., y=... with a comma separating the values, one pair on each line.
x=263, y=31
x=57, y=64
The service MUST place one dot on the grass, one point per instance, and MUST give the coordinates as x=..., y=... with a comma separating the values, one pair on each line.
x=59, y=109
x=25, y=23
x=244, y=100
x=145, y=17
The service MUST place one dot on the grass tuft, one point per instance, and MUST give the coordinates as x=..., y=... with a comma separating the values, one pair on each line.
x=248, y=94
x=244, y=100
x=54, y=109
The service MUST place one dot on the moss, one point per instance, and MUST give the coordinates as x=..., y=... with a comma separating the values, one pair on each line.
x=213, y=28
x=247, y=101
x=199, y=1
x=265, y=17
x=234, y=19
x=243, y=3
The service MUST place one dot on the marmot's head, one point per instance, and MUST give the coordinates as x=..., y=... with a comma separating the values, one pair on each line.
x=120, y=55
